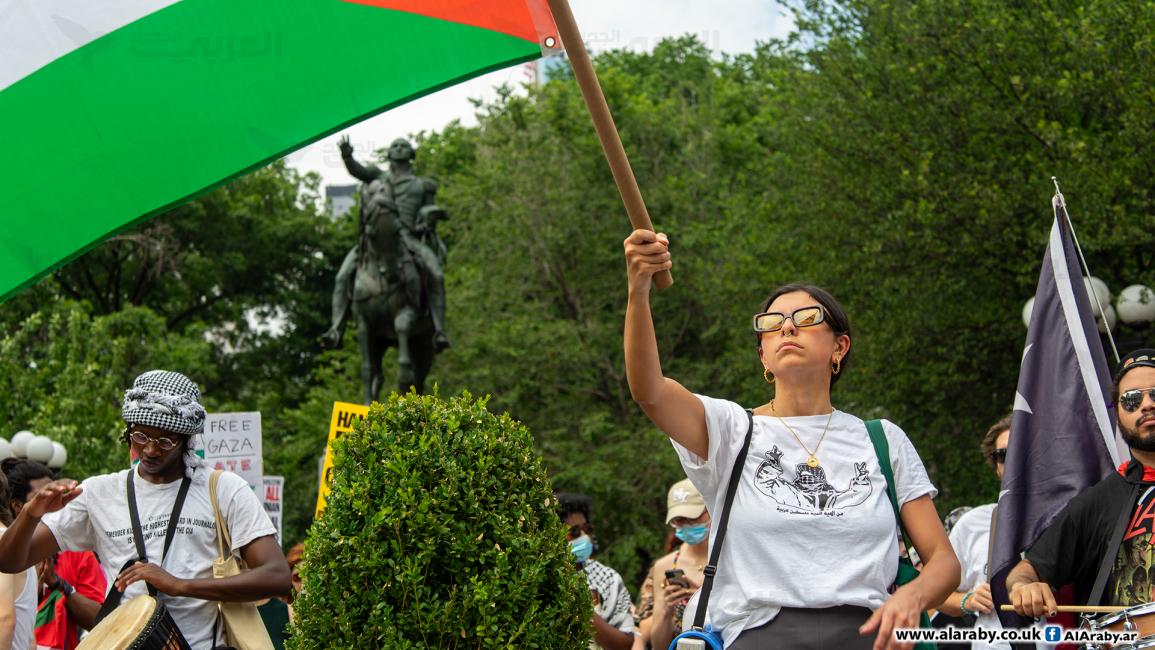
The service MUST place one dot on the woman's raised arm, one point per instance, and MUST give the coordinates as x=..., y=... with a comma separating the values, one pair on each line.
x=672, y=408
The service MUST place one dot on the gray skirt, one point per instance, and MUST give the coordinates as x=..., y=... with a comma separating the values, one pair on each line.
x=810, y=629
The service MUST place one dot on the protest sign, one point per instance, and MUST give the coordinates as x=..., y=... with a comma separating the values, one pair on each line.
x=232, y=442
x=345, y=415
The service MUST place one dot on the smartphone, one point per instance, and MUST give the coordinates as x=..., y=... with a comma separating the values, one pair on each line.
x=677, y=577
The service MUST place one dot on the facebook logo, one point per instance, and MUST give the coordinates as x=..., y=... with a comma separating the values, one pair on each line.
x=1051, y=633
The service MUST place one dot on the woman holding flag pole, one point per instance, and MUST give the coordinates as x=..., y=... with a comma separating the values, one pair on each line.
x=812, y=548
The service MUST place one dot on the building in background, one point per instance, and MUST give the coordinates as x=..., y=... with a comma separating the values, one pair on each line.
x=545, y=69
x=339, y=199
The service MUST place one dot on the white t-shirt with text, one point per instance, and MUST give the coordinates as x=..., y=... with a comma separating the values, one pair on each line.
x=98, y=520
x=801, y=536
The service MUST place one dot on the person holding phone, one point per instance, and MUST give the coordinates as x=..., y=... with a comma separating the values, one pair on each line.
x=812, y=548
x=678, y=575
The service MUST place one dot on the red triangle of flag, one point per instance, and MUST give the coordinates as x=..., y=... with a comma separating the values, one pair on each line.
x=526, y=19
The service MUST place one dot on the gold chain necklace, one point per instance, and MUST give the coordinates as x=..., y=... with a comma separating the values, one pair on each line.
x=812, y=460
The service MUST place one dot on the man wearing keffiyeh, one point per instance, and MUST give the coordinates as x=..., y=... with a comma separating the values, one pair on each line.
x=169, y=488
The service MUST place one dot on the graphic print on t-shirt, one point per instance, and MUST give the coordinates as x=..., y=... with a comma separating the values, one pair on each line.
x=1133, y=573
x=809, y=492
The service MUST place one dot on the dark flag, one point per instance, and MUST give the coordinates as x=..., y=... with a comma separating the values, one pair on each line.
x=1062, y=432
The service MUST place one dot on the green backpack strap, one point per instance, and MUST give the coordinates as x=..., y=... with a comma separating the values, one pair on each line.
x=906, y=571
x=882, y=450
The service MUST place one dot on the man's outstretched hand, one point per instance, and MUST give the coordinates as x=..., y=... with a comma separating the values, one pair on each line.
x=52, y=498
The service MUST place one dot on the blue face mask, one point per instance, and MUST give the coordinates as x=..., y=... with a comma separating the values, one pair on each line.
x=693, y=534
x=582, y=548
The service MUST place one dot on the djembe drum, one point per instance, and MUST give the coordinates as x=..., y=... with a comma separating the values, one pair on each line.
x=142, y=623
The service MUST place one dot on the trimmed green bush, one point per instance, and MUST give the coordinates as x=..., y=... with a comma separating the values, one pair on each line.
x=440, y=532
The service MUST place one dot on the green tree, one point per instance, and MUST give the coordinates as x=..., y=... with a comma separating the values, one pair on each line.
x=441, y=531
x=921, y=138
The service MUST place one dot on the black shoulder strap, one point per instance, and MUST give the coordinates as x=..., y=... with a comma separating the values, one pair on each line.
x=722, y=523
x=1113, y=543
x=173, y=518
x=134, y=515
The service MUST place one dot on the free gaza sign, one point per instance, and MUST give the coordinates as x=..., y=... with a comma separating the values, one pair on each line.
x=233, y=442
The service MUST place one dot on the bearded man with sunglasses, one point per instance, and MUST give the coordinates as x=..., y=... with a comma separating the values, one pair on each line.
x=168, y=495
x=1105, y=533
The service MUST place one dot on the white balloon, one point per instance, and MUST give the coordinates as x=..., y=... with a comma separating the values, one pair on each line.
x=20, y=443
x=5, y=449
x=1096, y=287
x=59, y=456
x=1027, y=310
x=1136, y=304
x=40, y=449
x=1112, y=319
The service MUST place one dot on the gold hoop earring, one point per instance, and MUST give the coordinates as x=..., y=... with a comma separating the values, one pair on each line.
x=767, y=376
x=837, y=366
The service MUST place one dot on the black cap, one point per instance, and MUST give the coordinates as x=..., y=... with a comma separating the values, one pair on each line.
x=1136, y=359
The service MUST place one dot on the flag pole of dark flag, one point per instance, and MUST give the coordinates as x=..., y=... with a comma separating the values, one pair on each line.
x=1062, y=433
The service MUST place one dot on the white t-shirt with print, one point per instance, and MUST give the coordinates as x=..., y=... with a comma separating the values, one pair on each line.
x=801, y=537
x=98, y=520
x=970, y=539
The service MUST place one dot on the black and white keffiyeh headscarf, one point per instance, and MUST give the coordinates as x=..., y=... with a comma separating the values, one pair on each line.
x=169, y=401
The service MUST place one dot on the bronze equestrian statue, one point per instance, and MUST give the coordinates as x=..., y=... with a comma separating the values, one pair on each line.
x=393, y=279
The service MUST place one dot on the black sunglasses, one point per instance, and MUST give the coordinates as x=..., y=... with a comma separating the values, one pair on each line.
x=999, y=455
x=1132, y=399
x=772, y=321
x=576, y=530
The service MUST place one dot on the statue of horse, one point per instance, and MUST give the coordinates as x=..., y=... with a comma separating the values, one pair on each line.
x=388, y=299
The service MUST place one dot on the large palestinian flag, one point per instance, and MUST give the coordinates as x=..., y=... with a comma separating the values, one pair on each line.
x=112, y=111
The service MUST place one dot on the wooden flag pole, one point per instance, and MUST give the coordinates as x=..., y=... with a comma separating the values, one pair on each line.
x=604, y=123
x=1076, y=609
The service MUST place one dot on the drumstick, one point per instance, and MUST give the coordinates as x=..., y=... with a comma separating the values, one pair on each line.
x=1076, y=609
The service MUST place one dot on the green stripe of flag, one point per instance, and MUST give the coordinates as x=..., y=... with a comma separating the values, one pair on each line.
x=188, y=97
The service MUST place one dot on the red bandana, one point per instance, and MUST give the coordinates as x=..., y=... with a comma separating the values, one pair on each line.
x=1148, y=472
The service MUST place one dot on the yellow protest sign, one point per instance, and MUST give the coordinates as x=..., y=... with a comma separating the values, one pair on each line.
x=345, y=415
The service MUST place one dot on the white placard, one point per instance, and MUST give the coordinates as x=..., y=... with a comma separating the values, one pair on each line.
x=273, y=498
x=233, y=442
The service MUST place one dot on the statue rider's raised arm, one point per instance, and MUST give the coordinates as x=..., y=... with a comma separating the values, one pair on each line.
x=363, y=173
